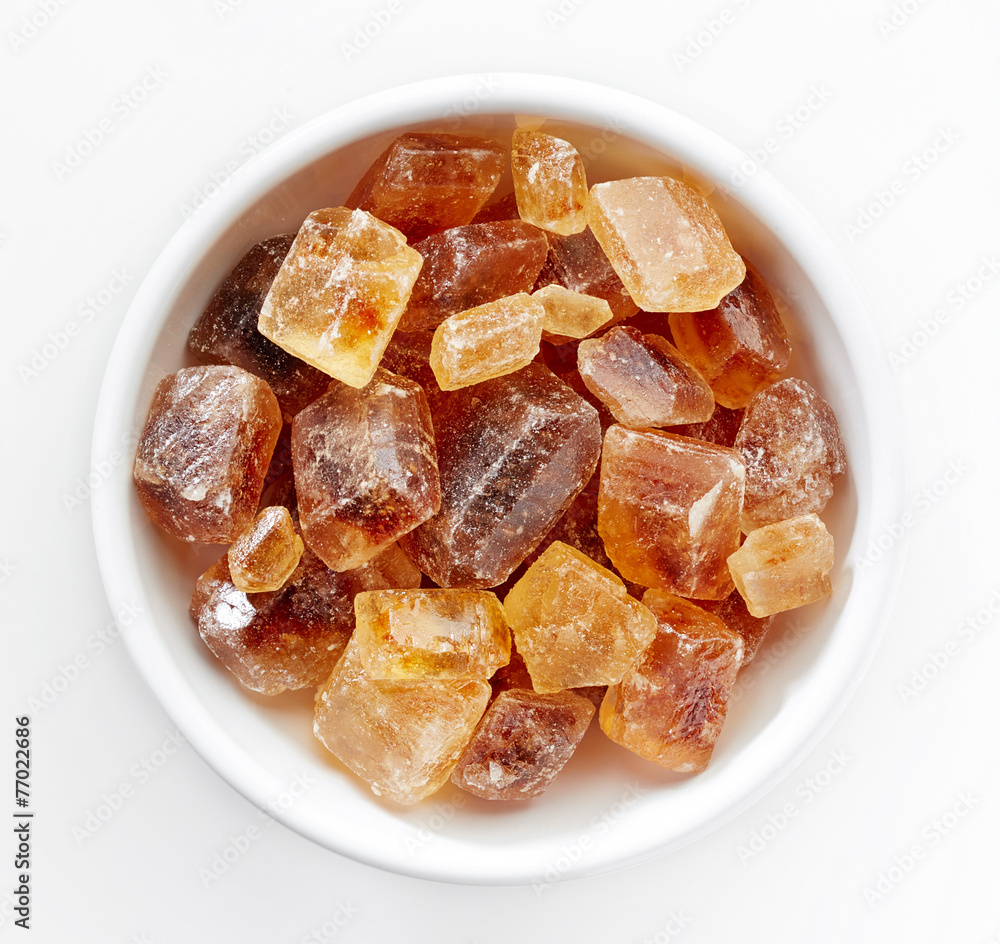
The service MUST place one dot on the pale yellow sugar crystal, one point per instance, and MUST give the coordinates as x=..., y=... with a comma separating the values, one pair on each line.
x=487, y=341
x=550, y=183
x=784, y=565
x=665, y=242
x=570, y=315
x=264, y=556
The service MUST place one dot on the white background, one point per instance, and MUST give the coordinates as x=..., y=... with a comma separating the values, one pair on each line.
x=855, y=96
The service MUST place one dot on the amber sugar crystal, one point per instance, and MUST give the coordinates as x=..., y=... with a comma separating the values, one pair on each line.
x=666, y=243
x=204, y=451
x=401, y=737
x=570, y=315
x=431, y=634
x=522, y=743
x=226, y=332
x=741, y=346
x=720, y=428
x=669, y=510
x=643, y=379
x=471, y=265
x=264, y=556
x=791, y=444
x=513, y=453
x=340, y=293
x=550, y=183
x=423, y=183
x=365, y=468
x=574, y=622
x=784, y=565
x=670, y=707
x=488, y=341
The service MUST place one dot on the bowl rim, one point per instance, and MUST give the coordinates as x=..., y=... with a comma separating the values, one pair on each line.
x=496, y=93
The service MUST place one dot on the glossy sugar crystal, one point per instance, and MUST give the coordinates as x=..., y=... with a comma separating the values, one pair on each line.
x=264, y=556
x=550, y=183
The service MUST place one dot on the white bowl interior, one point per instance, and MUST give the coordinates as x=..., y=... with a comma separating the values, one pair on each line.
x=607, y=808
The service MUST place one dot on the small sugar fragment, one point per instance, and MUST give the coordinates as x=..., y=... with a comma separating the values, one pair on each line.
x=550, y=183
x=570, y=315
x=265, y=555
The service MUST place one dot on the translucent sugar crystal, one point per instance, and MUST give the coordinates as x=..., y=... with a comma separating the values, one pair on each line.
x=226, y=332
x=431, y=634
x=669, y=510
x=502, y=208
x=204, y=451
x=574, y=622
x=665, y=242
x=488, y=341
x=670, y=707
x=290, y=638
x=471, y=265
x=340, y=293
x=424, y=183
x=403, y=738
x=550, y=184
x=784, y=565
x=720, y=429
x=740, y=346
x=643, y=379
x=264, y=556
x=579, y=263
x=570, y=315
x=521, y=744
x=513, y=453
x=734, y=613
x=791, y=444
x=365, y=468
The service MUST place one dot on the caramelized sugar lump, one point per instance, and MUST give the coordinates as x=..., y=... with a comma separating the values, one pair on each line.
x=574, y=622
x=488, y=341
x=290, y=638
x=740, y=346
x=340, y=293
x=670, y=707
x=431, y=634
x=791, y=444
x=550, y=183
x=643, y=379
x=570, y=315
x=734, y=613
x=365, y=468
x=784, y=565
x=471, y=265
x=226, y=332
x=522, y=743
x=265, y=555
x=721, y=428
x=513, y=453
x=403, y=738
x=424, y=183
x=665, y=242
x=669, y=510
x=204, y=451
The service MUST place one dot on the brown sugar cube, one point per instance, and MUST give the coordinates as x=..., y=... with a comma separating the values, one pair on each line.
x=665, y=242
x=791, y=444
x=784, y=565
x=204, y=451
x=264, y=556
x=488, y=341
x=734, y=613
x=643, y=379
x=340, y=293
x=570, y=315
x=521, y=744
x=740, y=346
x=670, y=707
x=550, y=183
x=423, y=183
x=365, y=468
x=721, y=428
x=669, y=510
x=403, y=738
x=513, y=453
x=574, y=622
x=471, y=265
x=226, y=332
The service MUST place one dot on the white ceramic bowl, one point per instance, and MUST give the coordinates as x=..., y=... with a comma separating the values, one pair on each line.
x=608, y=808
